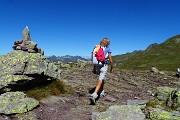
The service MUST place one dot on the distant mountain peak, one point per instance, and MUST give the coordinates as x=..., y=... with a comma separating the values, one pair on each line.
x=66, y=58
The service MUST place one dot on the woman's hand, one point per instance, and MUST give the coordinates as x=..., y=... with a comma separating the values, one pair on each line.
x=111, y=70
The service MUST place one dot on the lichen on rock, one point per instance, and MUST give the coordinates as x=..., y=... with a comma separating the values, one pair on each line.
x=16, y=102
x=22, y=67
x=26, y=64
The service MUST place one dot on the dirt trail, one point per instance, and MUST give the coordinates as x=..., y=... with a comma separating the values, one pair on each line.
x=120, y=86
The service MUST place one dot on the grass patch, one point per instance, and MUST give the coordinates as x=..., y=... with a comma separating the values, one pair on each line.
x=56, y=87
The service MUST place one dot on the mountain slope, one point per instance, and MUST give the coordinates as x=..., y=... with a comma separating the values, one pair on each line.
x=165, y=56
x=118, y=59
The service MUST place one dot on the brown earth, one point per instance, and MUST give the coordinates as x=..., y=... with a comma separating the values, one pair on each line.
x=120, y=86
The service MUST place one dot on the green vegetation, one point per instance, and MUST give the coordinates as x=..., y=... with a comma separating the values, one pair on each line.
x=118, y=59
x=164, y=56
x=54, y=88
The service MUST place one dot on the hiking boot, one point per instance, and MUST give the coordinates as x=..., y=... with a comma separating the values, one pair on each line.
x=93, y=98
x=94, y=95
x=102, y=94
x=93, y=101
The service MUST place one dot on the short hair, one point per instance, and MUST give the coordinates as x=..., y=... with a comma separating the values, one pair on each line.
x=105, y=42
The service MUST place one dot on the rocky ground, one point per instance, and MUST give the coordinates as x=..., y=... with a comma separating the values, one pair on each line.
x=120, y=86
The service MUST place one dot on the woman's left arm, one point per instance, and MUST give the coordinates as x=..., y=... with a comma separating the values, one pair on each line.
x=111, y=62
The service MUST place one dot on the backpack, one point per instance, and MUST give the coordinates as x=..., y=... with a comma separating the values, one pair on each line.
x=98, y=56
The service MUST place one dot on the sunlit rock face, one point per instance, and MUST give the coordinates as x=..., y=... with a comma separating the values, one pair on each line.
x=26, y=66
x=21, y=69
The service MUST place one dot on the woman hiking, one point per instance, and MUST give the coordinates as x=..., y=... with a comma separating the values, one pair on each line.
x=101, y=70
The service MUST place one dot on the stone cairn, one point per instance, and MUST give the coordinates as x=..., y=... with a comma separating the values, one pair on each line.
x=26, y=44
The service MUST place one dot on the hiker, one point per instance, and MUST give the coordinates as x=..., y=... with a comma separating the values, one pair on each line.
x=101, y=69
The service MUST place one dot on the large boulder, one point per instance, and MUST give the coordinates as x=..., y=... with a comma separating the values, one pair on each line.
x=162, y=93
x=159, y=114
x=120, y=112
x=16, y=102
x=165, y=105
x=23, y=68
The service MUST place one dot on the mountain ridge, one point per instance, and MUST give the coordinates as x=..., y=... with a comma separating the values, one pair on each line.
x=164, y=56
x=66, y=58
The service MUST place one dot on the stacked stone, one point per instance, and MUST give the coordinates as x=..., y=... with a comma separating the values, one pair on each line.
x=26, y=44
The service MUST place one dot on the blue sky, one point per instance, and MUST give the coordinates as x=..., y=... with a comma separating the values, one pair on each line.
x=73, y=27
